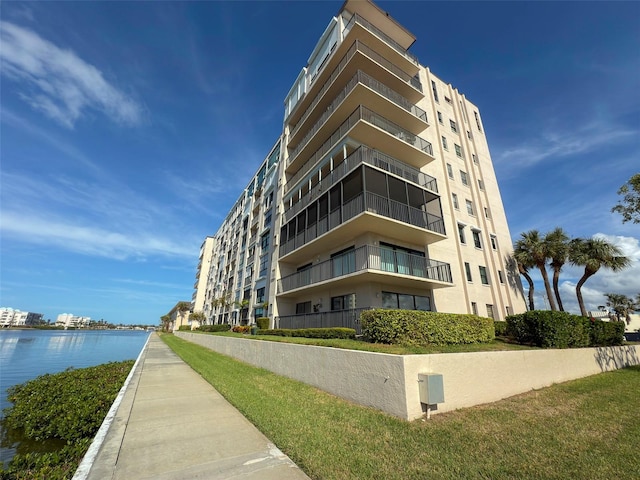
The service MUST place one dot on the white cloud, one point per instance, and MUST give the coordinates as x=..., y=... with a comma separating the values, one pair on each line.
x=90, y=239
x=57, y=82
x=556, y=144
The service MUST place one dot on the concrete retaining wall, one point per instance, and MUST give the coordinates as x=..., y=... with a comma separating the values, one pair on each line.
x=390, y=382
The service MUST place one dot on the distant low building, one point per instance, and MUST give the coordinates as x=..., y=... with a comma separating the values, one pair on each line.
x=10, y=317
x=70, y=320
x=179, y=315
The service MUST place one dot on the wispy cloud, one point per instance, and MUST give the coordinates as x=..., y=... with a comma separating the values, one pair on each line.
x=90, y=239
x=91, y=219
x=58, y=83
x=556, y=144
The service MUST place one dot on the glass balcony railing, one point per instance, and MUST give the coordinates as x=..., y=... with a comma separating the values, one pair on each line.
x=368, y=257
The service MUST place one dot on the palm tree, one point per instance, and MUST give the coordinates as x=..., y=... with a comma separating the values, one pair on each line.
x=532, y=248
x=521, y=262
x=593, y=253
x=558, y=248
x=621, y=305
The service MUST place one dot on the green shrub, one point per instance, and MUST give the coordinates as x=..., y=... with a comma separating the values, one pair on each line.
x=184, y=328
x=215, y=328
x=500, y=328
x=410, y=327
x=605, y=334
x=262, y=322
x=550, y=329
x=334, y=332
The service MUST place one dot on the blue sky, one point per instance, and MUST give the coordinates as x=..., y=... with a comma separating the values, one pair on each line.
x=128, y=130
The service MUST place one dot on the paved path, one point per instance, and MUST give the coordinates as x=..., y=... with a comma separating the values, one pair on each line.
x=172, y=424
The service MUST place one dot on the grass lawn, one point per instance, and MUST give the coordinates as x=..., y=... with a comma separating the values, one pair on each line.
x=497, y=344
x=584, y=429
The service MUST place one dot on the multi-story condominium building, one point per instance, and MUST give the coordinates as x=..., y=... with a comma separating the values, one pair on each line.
x=198, y=300
x=71, y=320
x=12, y=318
x=380, y=193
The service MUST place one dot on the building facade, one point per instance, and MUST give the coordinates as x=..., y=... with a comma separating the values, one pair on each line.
x=380, y=193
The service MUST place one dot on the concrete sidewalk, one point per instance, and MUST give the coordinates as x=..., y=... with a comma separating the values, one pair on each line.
x=171, y=424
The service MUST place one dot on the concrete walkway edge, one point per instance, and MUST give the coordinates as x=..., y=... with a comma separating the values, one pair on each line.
x=173, y=425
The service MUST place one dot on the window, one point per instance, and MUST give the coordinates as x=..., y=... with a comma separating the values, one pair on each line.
x=260, y=295
x=440, y=118
x=494, y=242
x=454, y=198
x=448, y=100
x=467, y=269
x=468, y=134
x=483, y=276
x=264, y=241
x=490, y=311
x=464, y=177
x=268, y=200
x=477, y=121
x=267, y=219
x=264, y=264
x=474, y=308
x=405, y=302
x=435, y=91
x=476, y=238
x=480, y=184
x=500, y=276
x=458, y=150
x=486, y=213
x=444, y=143
x=508, y=310
x=343, y=302
x=469, y=207
x=450, y=170
x=474, y=157
x=461, y=233
x=303, y=307
x=454, y=127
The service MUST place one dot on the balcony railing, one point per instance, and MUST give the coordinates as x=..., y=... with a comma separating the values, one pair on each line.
x=357, y=46
x=365, y=202
x=369, y=116
x=361, y=78
x=368, y=257
x=335, y=318
x=380, y=34
x=371, y=157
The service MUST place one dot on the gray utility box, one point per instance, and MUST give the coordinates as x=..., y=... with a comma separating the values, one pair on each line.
x=431, y=388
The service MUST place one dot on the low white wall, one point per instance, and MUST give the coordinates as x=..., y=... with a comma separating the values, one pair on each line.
x=390, y=382
x=372, y=379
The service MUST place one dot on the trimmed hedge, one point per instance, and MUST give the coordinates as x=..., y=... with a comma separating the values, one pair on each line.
x=553, y=329
x=411, y=327
x=183, y=328
x=500, y=328
x=336, y=332
x=215, y=328
x=262, y=322
x=606, y=334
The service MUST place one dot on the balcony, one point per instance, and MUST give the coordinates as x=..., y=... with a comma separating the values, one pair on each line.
x=367, y=212
x=374, y=130
x=372, y=262
x=358, y=57
x=335, y=318
x=361, y=155
x=354, y=94
x=362, y=29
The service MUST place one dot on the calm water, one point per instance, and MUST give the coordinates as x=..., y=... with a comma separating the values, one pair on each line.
x=27, y=354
